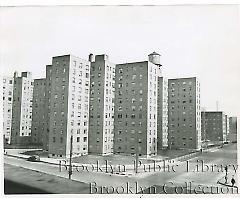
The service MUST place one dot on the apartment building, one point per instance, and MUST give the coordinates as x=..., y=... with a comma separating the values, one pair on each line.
x=233, y=125
x=232, y=136
x=101, y=121
x=22, y=109
x=214, y=126
x=184, y=114
x=69, y=106
x=227, y=125
x=7, y=108
x=38, y=111
x=162, y=107
x=47, y=107
x=135, y=126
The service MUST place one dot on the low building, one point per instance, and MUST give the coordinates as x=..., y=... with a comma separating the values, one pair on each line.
x=214, y=126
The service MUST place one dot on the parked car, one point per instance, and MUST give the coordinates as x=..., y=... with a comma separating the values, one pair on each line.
x=34, y=158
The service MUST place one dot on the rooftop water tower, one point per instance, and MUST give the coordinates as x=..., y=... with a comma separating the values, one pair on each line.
x=154, y=58
x=91, y=58
x=15, y=74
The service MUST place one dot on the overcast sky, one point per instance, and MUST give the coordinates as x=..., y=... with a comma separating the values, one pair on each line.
x=202, y=41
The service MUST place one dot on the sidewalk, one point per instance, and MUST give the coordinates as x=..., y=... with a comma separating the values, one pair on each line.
x=228, y=183
x=129, y=167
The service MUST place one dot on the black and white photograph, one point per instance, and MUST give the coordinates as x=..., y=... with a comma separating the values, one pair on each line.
x=120, y=99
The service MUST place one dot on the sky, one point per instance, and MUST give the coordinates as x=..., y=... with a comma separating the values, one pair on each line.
x=202, y=41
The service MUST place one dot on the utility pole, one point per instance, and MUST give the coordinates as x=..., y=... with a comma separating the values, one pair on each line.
x=136, y=168
x=70, y=160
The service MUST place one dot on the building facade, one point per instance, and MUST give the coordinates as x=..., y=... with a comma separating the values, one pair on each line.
x=69, y=106
x=162, y=122
x=227, y=126
x=184, y=118
x=38, y=111
x=135, y=126
x=7, y=108
x=232, y=136
x=233, y=125
x=101, y=121
x=22, y=109
x=47, y=107
x=214, y=126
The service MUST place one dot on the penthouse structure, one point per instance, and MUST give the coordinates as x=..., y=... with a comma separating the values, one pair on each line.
x=214, y=126
x=184, y=118
x=135, y=126
x=7, y=108
x=38, y=111
x=22, y=109
x=69, y=106
x=101, y=121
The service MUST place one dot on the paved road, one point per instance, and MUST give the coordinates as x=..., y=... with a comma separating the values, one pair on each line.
x=24, y=181
x=224, y=156
x=11, y=187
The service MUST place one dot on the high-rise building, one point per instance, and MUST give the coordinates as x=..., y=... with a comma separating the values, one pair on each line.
x=213, y=126
x=38, y=111
x=184, y=114
x=69, y=106
x=233, y=125
x=101, y=105
x=227, y=125
x=22, y=109
x=162, y=122
x=47, y=107
x=135, y=125
x=41, y=110
x=7, y=108
x=232, y=136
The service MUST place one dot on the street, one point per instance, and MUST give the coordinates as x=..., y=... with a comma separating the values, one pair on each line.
x=224, y=156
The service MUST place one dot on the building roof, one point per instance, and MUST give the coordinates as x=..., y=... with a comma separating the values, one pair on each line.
x=154, y=53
